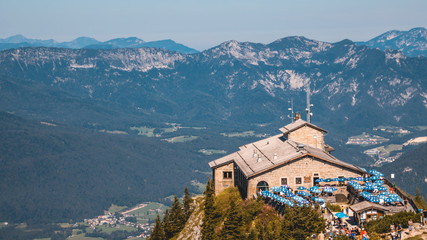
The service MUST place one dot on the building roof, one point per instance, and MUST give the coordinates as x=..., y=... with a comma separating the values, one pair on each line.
x=298, y=124
x=272, y=152
x=365, y=205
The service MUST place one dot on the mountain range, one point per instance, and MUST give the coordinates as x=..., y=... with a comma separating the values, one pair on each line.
x=232, y=87
x=412, y=43
x=18, y=41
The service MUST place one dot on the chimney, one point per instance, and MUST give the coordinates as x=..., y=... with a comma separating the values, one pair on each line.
x=297, y=116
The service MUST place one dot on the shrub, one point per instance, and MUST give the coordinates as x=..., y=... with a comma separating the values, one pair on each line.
x=383, y=225
x=333, y=207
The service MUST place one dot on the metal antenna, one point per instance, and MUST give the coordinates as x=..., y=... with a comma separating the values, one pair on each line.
x=292, y=110
x=308, y=109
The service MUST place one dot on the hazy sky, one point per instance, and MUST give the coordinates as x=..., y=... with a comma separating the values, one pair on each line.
x=202, y=24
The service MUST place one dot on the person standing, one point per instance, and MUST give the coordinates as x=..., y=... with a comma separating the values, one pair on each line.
x=410, y=226
x=425, y=217
x=393, y=235
x=363, y=233
x=321, y=236
x=399, y=231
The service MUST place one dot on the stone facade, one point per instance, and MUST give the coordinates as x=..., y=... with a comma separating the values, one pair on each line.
x=309, y=136
x=223, y=177
x=305, y=169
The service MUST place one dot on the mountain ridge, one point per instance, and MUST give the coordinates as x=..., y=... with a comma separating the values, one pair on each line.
x=18, y=41
x=412, y=42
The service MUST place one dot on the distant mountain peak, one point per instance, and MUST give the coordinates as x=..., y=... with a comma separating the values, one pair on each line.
x=412, y=42
x=16, y=38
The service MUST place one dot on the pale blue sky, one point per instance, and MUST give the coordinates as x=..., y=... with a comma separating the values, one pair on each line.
x=203, y=24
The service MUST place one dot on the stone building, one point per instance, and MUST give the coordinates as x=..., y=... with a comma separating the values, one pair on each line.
x=296, y=157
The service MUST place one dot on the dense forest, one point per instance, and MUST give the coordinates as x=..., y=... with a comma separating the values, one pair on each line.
x=56, y=173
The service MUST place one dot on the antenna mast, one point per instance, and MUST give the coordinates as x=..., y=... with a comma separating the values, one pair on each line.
x=292, y=110
x=308, y=109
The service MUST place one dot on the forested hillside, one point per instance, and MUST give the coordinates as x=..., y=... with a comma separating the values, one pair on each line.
x=409, y=170
x=54, y=173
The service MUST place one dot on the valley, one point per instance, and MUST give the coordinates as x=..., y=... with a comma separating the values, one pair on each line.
x=83, y=129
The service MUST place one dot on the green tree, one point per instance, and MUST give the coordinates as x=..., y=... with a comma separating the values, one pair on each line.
x=166, y=223
x=187, y=204
x=157, y=233
x=208, y=226
x=419, y=199
x=253, y=235
x=301, y=222
x=176, y=219
x=232, y=224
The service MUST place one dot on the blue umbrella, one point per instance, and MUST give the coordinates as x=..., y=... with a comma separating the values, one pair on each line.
x=328, y=180
x=379, y=181
x=342, y=179
x=381, y=188
x=298, y=198
x=351, y=178
x=320, y=180
x=365, y=194
x=301, y=188
x=359, y=179
x=375, y=178
x=290, y=195
x=373, y=199
x=352, y=182
x=336, y=179
x=304, y=194
x=341, y=215
x=389, y=200
x=318, y=199
x=358, y=187
x=329, y=189
x=275, y=189
x=315, y=191
x=363, y=169
x=383, y=197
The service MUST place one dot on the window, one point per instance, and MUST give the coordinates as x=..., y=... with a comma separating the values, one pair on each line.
x=316, y=174
x=227, y=175
x=298, y=180
x=284, y=181
x=261, y=186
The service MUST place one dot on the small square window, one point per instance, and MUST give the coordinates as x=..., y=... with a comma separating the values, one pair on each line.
x=284, y=181
x=298, y=180
x=227, y=175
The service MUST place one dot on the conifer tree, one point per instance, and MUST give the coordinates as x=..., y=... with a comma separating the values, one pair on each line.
x=208, y=227
x=232, y=224
x=166, y=224
x=157, y=233
x=253, y=235
x=301, y=222
x=176, y=219
x=419, y=199
x=187, y=204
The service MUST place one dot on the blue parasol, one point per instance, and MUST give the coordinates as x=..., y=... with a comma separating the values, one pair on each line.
x=341, y=215
x=318, y=199
x=301, y=188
